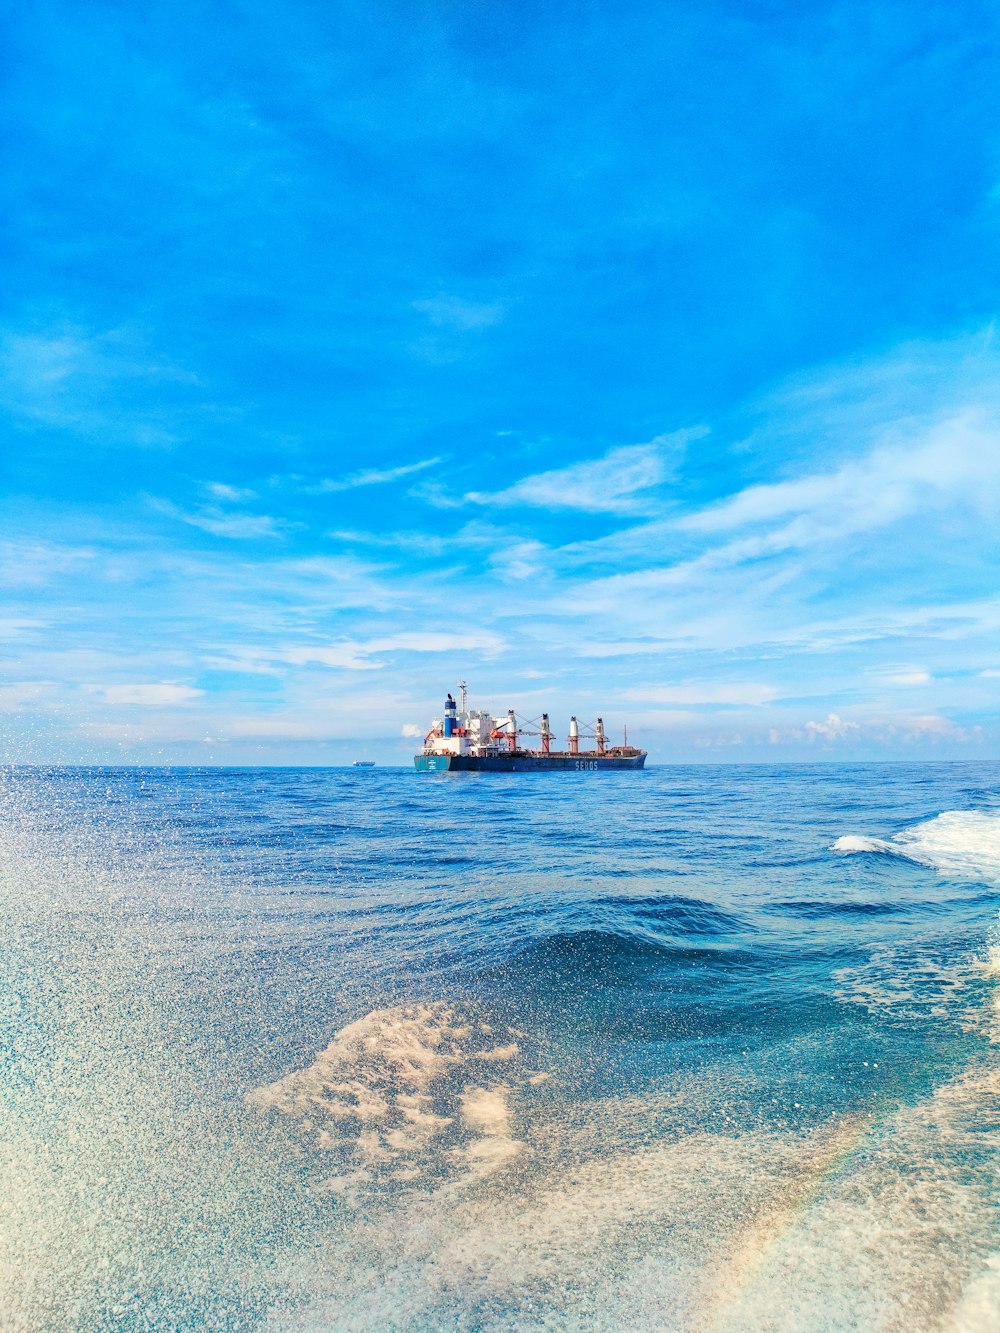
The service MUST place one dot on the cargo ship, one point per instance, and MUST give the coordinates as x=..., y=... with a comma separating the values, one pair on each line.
x=468, y=740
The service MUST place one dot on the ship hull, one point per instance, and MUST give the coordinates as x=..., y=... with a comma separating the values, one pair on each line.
x=524, y=763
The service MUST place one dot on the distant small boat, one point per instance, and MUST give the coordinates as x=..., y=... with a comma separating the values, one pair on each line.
x=364, y=763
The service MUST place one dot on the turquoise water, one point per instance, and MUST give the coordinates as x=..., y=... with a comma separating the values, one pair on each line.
x=694, y=1048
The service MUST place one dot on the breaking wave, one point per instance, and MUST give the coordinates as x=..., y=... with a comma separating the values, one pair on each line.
x=960, y=843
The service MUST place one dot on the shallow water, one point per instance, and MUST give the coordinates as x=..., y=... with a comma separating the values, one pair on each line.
x=695, y=1048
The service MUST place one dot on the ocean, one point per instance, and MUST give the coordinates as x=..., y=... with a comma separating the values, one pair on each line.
x=693, y=1048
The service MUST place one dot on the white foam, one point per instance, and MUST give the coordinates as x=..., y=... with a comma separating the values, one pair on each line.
x=913, y=982
x=859, y=1223
x=978, y=1308
x=960, y=843
x=854, y=843
x=392, y=1095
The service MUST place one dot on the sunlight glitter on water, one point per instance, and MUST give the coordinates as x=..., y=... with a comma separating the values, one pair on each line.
x=273, y=1060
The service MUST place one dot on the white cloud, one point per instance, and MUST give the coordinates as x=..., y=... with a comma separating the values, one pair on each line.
x=240, y=662
x=877, y=554
x=901, y=675
x=515, y=561
x=608, y=485
x=343, y=656
x=403, y=543
x=703, y=692
x=411, y=731
x=162, y=694
x=361, y=656
x=231, y=494
x=481, y=641
x=956, y=461
x=621, y=647
x=605, y=485
x=886, y=730
x=921, y=432
x=87, y=383
x=278, y=728
x=931, y=726
x=833, y=729
x=31, y=563
x=222, y=522
x=240, y=527
x=374, y=476
x=782, y=541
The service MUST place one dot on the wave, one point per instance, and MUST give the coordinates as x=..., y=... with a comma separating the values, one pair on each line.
x=672, y=911
x=961, y=843
x=574, y=955
x=820, y=909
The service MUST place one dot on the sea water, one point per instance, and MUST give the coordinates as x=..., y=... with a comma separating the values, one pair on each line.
x=692, y=1048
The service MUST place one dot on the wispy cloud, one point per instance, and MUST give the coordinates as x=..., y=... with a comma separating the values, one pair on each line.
x=475, y=536
x=957, y=461
x=516, y=561
x=612, y=484
x=688, y=693
x=219, y=490
x=374, y=476
x=363, y=656
x=612, y=647
x=159, y=694
x=107, y=385
x=925, y=479
x=34, y=563
x=240, y=526
x=902, y=675
x=340, y=656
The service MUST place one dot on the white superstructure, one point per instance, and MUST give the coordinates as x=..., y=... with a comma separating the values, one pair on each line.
x=470, y=731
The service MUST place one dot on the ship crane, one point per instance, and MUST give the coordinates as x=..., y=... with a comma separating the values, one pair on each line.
x=593, y=732
x=589, y=731
x=507, y=731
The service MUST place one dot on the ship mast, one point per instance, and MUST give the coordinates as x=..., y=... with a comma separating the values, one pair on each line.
x=465, y=690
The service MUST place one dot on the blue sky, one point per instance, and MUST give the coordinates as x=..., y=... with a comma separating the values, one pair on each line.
x=624, y=358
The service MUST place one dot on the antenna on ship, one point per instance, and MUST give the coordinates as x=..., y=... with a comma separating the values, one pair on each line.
x=465, y=690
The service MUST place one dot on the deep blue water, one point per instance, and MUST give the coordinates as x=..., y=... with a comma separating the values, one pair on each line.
x=622, y=1050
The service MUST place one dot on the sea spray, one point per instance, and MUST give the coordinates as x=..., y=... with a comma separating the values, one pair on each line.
x=668, y=1061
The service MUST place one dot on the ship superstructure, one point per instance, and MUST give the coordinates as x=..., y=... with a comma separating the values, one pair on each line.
x=473, y=739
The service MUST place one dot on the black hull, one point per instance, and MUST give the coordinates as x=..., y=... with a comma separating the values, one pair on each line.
x=524, y=763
